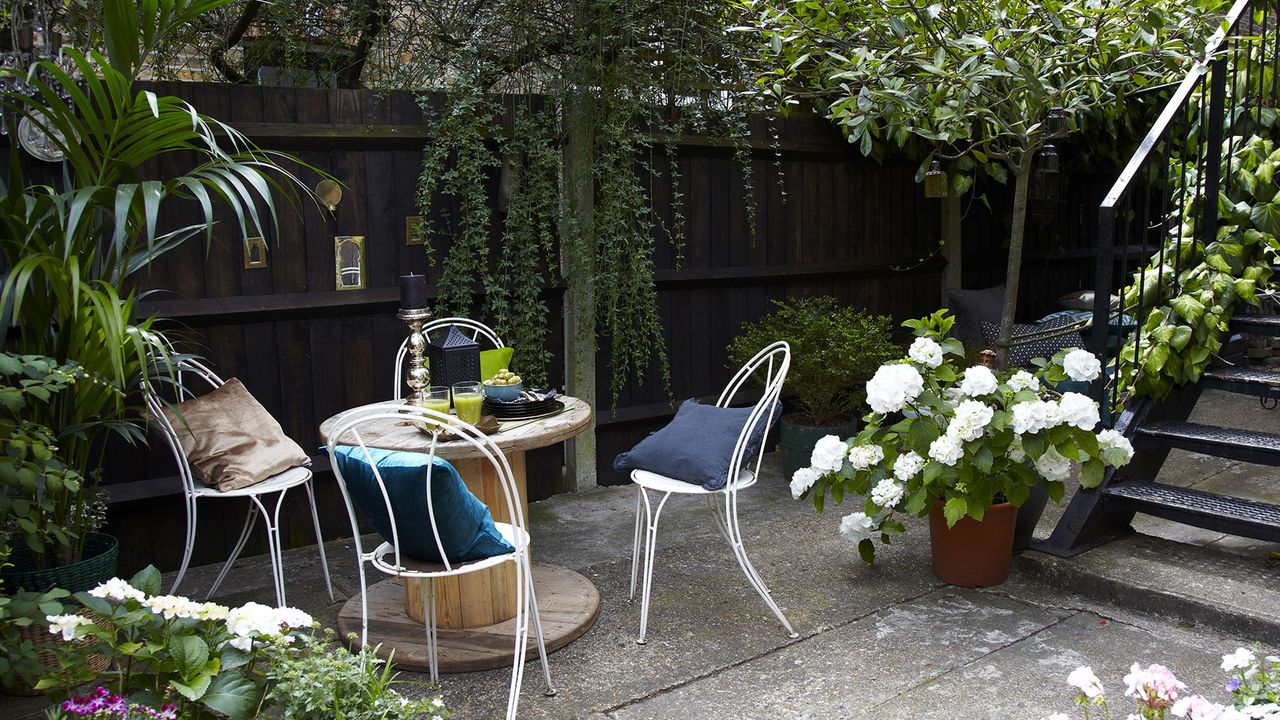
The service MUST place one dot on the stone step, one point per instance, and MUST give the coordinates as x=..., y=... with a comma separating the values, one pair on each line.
x=1257, y=324
x=1246, y=381
x=1206, y=586
x=1220, y=513
x=1251, y=446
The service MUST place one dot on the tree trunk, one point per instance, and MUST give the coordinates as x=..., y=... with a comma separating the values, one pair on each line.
x=1013, y=272
x=578, y=268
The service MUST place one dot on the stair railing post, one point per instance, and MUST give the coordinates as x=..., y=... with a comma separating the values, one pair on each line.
x=1102, y=298
x=1213, y=150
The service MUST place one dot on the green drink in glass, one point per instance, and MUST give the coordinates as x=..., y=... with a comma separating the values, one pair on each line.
x=468, y=399
x=437, y=400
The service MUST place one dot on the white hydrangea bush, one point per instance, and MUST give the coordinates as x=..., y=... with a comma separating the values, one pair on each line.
x=962, y=437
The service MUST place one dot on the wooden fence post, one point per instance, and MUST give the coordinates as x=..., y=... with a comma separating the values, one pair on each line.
x=578, y=269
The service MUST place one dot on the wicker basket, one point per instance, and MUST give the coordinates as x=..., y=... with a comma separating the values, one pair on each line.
x=40, y=636
x=98, y=565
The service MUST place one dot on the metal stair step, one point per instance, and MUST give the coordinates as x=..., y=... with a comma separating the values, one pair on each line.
x=1247, y=445
x=1257, y=324
x=1243, y=380
x=1220, y=513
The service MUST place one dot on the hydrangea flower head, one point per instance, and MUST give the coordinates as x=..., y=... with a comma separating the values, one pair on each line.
x=857, y=526
x=1081, y=366
x=117, y=591
x=828, y=454
x=925, y=351
x=893, y=386
x=978, y=380
x=802, y=480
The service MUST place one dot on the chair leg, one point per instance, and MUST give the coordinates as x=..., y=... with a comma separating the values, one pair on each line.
x=650, y=546
x=191, y=543
x=429, y=621
x=250, y=519
x=272, y=539
x=315, y=522
x=749, y=570
x=522, y=638
x=364, y=607
x=537, y=630
x=635, y=544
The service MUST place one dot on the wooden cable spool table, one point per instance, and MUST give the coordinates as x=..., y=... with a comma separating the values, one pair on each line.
x=475, y=612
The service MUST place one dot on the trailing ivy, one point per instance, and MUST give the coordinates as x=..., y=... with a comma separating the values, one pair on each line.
x=1194, y=292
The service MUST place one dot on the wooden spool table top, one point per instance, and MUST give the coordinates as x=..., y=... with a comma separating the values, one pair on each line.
x=568, y=602
x=390, y=434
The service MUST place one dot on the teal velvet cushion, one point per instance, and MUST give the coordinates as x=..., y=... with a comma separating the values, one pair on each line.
x=466, y=528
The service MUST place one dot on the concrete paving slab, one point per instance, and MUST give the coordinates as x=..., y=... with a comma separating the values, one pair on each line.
x=864, y=664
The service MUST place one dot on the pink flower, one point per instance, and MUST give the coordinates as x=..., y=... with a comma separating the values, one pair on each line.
x=1197, y=708
x=1155, y=687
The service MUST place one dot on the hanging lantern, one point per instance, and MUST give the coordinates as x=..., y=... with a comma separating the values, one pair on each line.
x=1057, y=122
x=935, y=181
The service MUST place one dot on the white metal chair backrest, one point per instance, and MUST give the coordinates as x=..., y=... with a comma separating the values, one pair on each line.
x=774, y=361
x=348, y=431
x=183, y=372
x=476, y=330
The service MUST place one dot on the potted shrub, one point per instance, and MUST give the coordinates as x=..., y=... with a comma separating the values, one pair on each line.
x=834, y=351
x=105, y=217
x=963, y=447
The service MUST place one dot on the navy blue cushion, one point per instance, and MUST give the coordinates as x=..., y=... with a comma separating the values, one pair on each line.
x=466, y=528
x=696, y=446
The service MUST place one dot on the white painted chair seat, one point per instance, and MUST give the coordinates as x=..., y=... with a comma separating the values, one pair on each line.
x=292, y=477
x=385, y=554
x=662, y=483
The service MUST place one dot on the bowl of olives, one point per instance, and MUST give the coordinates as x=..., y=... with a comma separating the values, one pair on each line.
x=505, y=386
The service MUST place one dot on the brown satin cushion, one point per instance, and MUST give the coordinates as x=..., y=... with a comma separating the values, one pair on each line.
x=230, y=440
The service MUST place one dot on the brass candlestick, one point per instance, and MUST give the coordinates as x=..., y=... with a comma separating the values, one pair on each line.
x=418, y=378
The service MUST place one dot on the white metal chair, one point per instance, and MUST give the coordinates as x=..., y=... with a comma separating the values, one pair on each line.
x=477, y=330
x=386, y=557
x=773, y=362
x=185, y=371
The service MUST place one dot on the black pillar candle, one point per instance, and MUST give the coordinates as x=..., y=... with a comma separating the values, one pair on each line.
x=413, y=292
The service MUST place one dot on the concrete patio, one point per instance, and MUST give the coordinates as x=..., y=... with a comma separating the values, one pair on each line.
x=887, y=641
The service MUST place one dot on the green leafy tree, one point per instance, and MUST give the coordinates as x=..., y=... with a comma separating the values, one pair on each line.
x=976, y=84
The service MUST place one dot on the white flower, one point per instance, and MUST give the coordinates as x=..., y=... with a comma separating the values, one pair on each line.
x=802, y=480
x=862, y=457
x=970, y=420
x=1016, y=452
x=1241, y=659
x=1058, y=716
x=1023, y=380
x=946, y=450
x=1197, y=708
x=857, y=527
x=828, y=454
x=212, y=611
x=907, y=465
x=1081, y=366
x=1079, y=411
x=1053, y=466
x=171, y=606
x=887, y=493
x=243, y=643
x=893, y=386
x=293, y=618
x=252, y=620
x=1083, y=679
x=117, y=591
x=926, y=352
x=978, y=380
x=67, y=625
x=1033, y=416
x=1114, y=440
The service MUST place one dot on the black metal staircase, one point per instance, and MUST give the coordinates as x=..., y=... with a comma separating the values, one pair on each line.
x=1215, y=101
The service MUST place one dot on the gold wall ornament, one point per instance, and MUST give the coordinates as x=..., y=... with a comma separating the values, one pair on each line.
x=330, y=193
x=415, y=230
x=348, y=253
x=255, y=253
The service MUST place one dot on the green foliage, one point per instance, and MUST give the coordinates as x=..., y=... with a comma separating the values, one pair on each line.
x=67, y=252
x=1188, y=311
x=34, y=480
x=834, y=351
x=19, y=661
x=315, y=681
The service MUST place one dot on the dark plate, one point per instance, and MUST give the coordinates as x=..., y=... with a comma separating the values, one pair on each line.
x=517, y=407
x=555, y=407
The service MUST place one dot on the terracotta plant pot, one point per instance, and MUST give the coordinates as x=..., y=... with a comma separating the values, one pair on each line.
x=973, y=553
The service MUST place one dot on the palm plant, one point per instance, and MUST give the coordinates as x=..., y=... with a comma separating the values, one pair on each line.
x=68, y=251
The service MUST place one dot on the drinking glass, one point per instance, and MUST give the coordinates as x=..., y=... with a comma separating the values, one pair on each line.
x=468, y=397
x=438, y=400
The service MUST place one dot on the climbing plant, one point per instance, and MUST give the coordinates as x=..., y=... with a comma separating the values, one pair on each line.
x=1192, y=288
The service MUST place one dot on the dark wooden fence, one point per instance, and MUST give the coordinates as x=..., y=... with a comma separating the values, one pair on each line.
x=308, y=351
